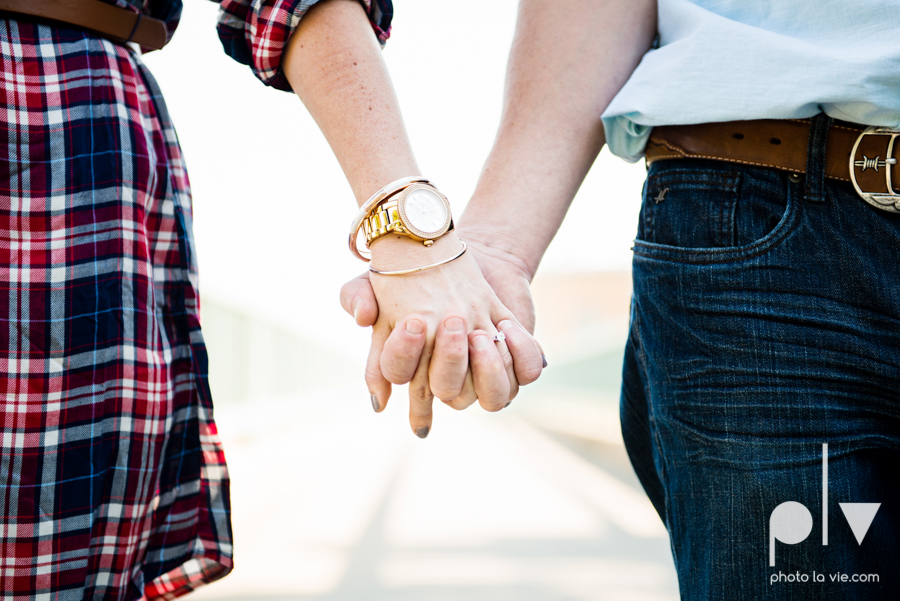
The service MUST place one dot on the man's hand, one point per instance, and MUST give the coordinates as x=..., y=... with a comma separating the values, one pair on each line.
x=508, y=278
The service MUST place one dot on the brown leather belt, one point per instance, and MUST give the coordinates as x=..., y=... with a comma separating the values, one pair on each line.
x=873, y=168
x=117, y=24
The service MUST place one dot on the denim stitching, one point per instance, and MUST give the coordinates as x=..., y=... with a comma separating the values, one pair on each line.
x=681, y=179
x=641, y=357
x=752, y=163
x=784, y=228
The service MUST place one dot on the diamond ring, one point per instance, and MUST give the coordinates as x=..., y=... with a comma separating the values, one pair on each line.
x=500, y=337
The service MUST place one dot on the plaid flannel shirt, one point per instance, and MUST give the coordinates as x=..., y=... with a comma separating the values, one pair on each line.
x=113, y=482
x=255, y=32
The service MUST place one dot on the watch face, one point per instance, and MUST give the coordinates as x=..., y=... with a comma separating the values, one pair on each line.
x=426, y=212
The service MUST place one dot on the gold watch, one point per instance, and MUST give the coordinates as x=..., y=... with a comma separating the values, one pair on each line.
x=419, y=212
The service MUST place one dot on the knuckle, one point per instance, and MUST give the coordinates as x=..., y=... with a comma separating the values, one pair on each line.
x=373, y=376
x=494, y=396
x=455, y=348
x=402, y=361
x=456, y=403
x=452, y=360
x=444, y=392
x=394, y=375
x=528, y=374
x=420, y=396
x=400, y=350
x=493, y=404
x=395, y=379
x=397, y=369
x=454, y=343
x=468, y=402
x=465, y=400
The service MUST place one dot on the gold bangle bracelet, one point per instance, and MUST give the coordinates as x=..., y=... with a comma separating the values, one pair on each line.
x=423, y=268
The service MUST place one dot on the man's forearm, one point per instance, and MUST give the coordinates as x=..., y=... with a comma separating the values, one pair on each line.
x=568, y=60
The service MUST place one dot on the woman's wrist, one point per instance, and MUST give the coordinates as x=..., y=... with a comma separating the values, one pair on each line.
x=396, y=252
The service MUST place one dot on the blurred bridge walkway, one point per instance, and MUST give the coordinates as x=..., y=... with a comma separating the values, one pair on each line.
x=535, y=503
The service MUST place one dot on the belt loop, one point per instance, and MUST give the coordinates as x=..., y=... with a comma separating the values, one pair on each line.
x=137, y=24
x=815, y=158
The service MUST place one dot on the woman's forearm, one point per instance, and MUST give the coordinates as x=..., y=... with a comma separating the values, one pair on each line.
x=333, y=61
x=430, y=327
x=568, y=60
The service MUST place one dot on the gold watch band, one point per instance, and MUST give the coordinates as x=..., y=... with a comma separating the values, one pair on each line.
x=383, y=193
x=384, y=220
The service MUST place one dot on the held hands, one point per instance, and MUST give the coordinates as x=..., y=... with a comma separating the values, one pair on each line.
x=435, y=329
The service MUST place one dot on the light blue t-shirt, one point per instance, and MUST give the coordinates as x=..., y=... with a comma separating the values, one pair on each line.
x=733, y=60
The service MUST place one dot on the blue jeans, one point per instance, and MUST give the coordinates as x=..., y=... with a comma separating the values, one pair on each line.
x=765, y=322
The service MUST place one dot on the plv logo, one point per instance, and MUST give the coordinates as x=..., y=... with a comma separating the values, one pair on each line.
x=791, y=522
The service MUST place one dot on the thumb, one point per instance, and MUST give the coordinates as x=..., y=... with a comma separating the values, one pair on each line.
x=358, y=299
x=515, y=294
x=521, y=305
x=523, y=309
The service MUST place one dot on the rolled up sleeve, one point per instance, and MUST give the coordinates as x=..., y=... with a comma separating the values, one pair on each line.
x=256, y=32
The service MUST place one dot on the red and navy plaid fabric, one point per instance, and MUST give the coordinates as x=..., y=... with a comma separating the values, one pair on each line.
x=256, y=32
x=113, y=484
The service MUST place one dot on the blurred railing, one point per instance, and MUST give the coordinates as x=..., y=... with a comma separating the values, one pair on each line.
x=252, y=356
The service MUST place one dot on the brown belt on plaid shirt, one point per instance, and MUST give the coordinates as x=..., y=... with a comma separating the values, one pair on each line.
x=117, y=24
x=866, y=157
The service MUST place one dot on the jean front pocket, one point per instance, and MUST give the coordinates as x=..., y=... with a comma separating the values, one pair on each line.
x=701, y=211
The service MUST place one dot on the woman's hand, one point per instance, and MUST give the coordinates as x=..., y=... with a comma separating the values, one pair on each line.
x=508, y=276
x=435, y=328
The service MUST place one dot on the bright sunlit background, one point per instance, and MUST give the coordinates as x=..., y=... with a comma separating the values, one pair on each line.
x=332, y=502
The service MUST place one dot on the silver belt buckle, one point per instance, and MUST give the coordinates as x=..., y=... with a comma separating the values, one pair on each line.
x=885, y=201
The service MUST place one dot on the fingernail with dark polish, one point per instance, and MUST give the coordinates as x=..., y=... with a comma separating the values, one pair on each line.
x=544, y=359
x=422, y=432
x=508, y=403
x=375, y=404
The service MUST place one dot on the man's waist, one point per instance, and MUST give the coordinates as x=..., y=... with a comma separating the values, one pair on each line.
x=865, y=157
